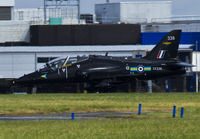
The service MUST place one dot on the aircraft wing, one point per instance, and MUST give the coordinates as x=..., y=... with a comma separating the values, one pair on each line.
x=183, y=64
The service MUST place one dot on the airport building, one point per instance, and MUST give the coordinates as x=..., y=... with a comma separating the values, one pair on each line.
x=27, y=42
x=6, y=9
x=132, y=12
x=54, y=16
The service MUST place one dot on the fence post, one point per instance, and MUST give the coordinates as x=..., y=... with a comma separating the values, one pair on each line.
x=174, y=111
x=139, y=109
x=72, y=116
x=182, y=112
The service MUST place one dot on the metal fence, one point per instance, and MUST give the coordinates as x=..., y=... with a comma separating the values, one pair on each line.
x=36, y=15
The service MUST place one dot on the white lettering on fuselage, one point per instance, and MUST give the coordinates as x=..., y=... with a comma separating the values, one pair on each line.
x=78, y=66
x=63, y=69
x=157, y=68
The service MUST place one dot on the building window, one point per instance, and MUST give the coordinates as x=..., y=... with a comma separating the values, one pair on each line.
x=45, y=59
x=21, y=15
x=138, y=56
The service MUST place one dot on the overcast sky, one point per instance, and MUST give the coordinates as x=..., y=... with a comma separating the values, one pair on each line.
x=179, y=7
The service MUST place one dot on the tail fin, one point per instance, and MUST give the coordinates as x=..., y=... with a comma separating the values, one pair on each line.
x=167, y=48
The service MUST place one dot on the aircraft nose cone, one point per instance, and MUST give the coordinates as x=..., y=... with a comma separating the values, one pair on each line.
x=32, y=77
x=21, y=80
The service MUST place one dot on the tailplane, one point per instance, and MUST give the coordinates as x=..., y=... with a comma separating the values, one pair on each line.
x=167, y=48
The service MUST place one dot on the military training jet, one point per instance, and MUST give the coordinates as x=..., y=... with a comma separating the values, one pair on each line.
x=105, y=71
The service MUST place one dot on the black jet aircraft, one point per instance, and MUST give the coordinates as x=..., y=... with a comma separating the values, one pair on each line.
x=105, y=71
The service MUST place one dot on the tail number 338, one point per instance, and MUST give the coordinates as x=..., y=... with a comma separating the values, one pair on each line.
x=171, y=38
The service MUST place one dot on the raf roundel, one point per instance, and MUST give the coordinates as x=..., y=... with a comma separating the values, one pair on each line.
x=140, y=68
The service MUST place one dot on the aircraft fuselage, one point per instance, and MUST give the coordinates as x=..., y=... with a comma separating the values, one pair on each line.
x=98, y=68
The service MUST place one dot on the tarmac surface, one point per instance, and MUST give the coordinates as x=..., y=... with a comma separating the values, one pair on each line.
x=68, y=116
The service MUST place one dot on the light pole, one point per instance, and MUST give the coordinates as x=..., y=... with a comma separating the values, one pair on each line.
x=197, y=75
x=45, y=12
x=79, y=13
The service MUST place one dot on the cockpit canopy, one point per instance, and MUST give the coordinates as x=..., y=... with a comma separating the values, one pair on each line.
x=63, y=61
